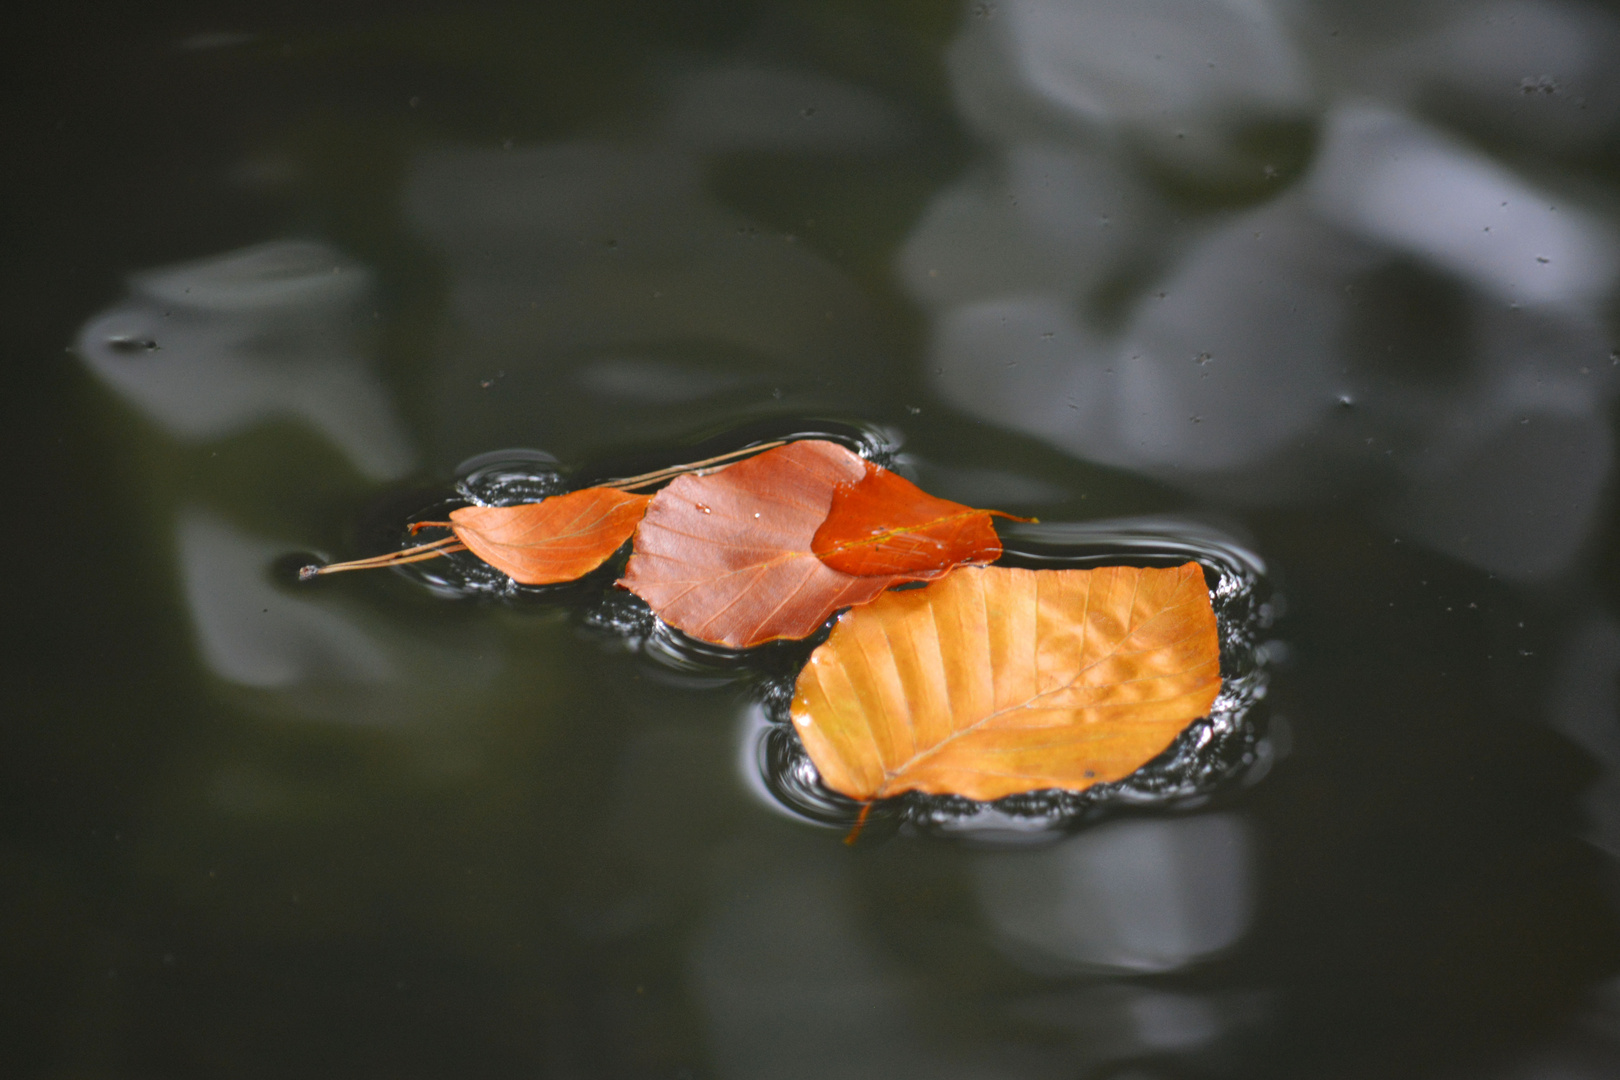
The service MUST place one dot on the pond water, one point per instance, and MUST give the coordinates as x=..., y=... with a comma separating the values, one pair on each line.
x=1321, y=294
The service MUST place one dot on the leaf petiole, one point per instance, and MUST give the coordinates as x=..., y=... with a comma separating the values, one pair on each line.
x=630, y=483
x=854, y=833
x=395, y=558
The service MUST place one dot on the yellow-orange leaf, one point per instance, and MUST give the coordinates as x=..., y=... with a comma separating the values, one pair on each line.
x=994, y=681
x=557, y=539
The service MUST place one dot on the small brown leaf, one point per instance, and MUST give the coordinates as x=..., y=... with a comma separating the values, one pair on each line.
x=995, y=681
x=885, y=524
x=557, y=539
x=725, y=555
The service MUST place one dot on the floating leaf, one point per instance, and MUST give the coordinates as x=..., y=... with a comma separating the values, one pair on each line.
x=557, y=539
x=725, y=555
x=995, y=681
x=885, y=524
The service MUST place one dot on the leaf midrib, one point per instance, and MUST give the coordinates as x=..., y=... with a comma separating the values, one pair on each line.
x=899, y=530
x=911, y=762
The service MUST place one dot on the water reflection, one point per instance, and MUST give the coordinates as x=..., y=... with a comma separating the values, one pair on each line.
x=315, y=656
x=1536, y=73
x=599, y=291
x=211, y=348
x=1175, y=80
x=1215, y=257
x=1225, y=354
x=250, y=632
x=790, y=989
x=1584, y=702
x=1138, y=895
x=1385, y=178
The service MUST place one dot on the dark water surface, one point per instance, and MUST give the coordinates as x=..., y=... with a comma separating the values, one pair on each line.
x=1322, y=294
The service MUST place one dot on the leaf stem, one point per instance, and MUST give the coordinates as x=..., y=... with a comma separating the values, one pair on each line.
x=396, y=558
x=860, y=823
x=630, y=483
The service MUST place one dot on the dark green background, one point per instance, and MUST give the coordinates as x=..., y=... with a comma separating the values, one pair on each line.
x=515, y=882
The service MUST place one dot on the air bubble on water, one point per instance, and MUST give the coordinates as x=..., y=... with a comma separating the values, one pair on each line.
x=124, y=343
x=509, y=477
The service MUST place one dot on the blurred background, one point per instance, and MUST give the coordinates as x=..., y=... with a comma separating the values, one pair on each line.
x=1334, y=281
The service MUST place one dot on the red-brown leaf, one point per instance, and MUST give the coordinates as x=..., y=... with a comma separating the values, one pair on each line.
x=883, y=524
x=725, y=556
x=557, y=539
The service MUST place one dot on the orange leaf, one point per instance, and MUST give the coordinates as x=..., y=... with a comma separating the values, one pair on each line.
x=725, y=555
x=995, y=681
x=556, y=539
x=885, y=524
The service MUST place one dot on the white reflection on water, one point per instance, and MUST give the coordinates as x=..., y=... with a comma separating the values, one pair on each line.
x=210, y=348
x=1261, y=283
x=1174, y=1021
x=1131, y=896
x=1046, y=217
x=1391, y=180
x=1170, y=76
x=790, y=988
x=1228, y=352
x=315, y=655
x=1540, y=73
x=792, y=982
x=250, y=632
